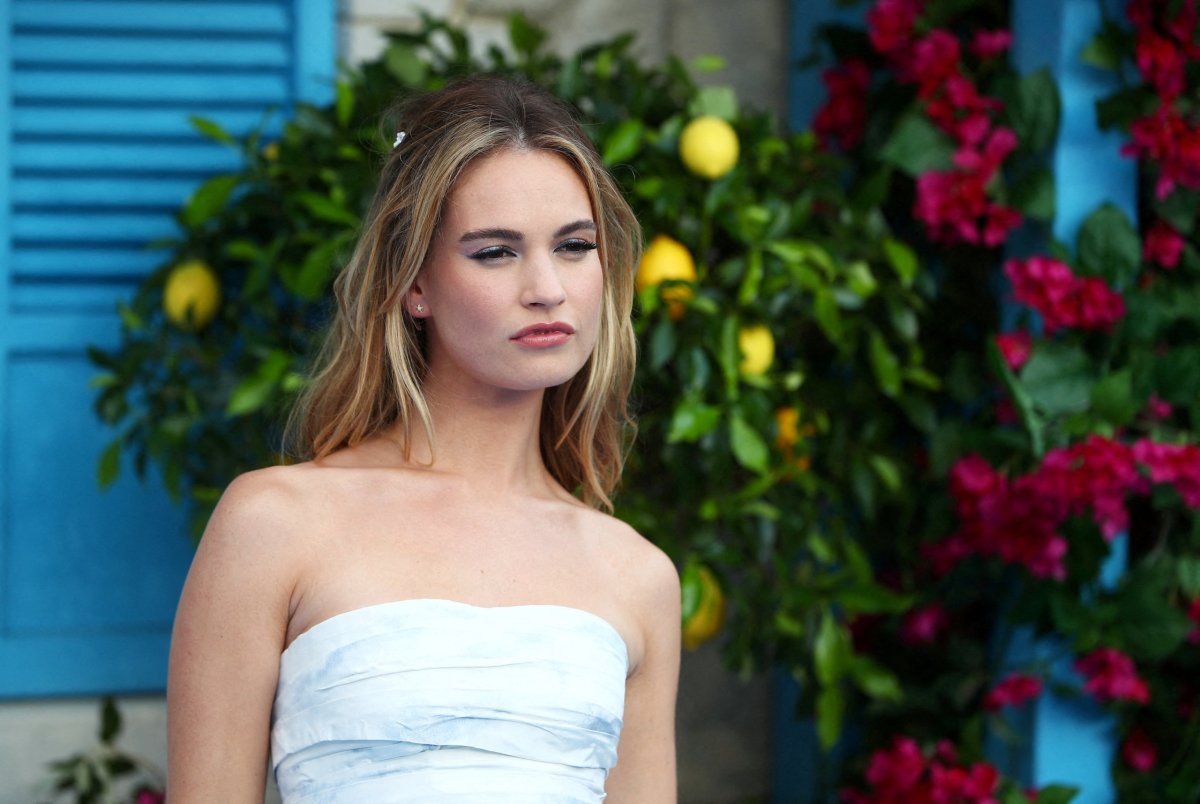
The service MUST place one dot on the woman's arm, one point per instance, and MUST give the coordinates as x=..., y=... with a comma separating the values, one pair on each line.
x=645, y=770
x=229, y=633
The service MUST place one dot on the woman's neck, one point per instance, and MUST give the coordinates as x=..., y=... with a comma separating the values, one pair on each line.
x=490, y=439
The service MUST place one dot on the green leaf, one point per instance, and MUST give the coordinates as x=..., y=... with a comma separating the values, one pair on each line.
x=1187, y=570
x=662, y=343
x=405, y=64
x=1034, y=108
x=108, y=468
x=624, y=141
x=316, y=271
x=345, y=103
x=110, y=720
x=1056, y=794
x=829, y=318
x=1033, y=195
x=1021, y=399
x=1058, y=378
x=874, y=679
x=749, y=448
x=708, y=63
x=254, y=391
x=716, y=101
x=831, y=711
x=526, y=37
x=1124, y=106
x=1112, y=398
x=211, y=129
x=1106, y=50
x=1109, y=246
x=903, y=261
x=830, y=650
x=887, y=471
x=692, y=420
x=884, y=364
x=207, y=199
x=917, y=146
x=327, y=209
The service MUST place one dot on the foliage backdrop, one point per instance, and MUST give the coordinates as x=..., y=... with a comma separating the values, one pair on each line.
x=904, y=484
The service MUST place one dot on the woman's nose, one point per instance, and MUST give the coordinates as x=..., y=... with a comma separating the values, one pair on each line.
x=543, y=287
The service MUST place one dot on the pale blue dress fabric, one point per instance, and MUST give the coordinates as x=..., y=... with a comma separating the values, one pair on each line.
x=439, y=701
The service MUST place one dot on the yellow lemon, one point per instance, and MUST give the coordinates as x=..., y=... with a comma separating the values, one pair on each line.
x=192, y=295
x=708, y=147
x=704, y=605
x=757, y=345
x=666, y=258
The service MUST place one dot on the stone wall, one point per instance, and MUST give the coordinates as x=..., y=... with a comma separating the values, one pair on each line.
x=752, y=35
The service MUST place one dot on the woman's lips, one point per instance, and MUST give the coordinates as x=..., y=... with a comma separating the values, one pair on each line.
x=543, y=336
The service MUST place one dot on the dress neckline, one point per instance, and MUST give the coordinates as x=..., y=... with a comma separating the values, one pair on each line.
x=447, y=602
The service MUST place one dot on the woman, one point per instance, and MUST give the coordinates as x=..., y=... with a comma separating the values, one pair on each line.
x=425, y=610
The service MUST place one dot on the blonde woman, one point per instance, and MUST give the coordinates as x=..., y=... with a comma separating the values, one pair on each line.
x=434, y=607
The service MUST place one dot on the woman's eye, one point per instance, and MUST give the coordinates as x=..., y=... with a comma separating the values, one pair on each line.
x=493, y=253
x=577, y=246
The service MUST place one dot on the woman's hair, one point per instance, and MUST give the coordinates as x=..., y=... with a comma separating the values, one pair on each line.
x=370, y=369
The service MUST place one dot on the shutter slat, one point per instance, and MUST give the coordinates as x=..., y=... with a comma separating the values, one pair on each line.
x=182, y=17
x=90, y=49
x=68, y=227
x=133, y=158
x=131, y=121
x=59, y=259
x=258, y=87
x=103, y=193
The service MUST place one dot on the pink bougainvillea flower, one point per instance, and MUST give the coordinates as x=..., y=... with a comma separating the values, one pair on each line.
x=935, y=61
x=925, y=625
x=145, y=796
x=841, y=120
x=1176, y=464
x=1157, y=409
x=952, y=784
x=1063, y=299
x=990, y=44
x=950, y=204
x=1015, y=346
x=1172, y=142
x=1139, y=751
x=1163, y=245
x=891, y=23
x=1161, y=62
x=1097, y=474
x=1111, y=676
x=1013, y=690
x=896, y=770
x=999, y=221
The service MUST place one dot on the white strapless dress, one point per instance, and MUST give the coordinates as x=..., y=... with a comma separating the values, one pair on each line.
x=438, y=701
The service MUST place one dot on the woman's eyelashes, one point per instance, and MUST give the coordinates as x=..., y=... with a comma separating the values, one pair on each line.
x=575, y=247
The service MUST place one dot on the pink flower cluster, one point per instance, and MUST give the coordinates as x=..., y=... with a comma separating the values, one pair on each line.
x=1175, y=464
x=904, y=774
x=1013, y=690
x=1016, y=347
x=955, y=205
x=1110, y=675
x=841, y=120
x=1163, y=245
x=1165, y=43
x=1062, y=298
x=1139, y=751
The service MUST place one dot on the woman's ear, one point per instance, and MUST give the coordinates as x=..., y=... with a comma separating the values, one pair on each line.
x=415, y=302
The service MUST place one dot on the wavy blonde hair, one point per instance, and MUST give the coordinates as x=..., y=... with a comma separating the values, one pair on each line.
x=369, y=371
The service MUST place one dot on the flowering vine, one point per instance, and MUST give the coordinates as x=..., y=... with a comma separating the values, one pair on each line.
x=1067, y=478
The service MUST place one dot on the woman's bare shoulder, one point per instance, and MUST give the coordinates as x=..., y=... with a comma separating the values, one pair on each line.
x=640, y=567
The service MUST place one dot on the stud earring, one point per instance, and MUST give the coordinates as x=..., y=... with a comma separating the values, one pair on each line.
x=420, y=308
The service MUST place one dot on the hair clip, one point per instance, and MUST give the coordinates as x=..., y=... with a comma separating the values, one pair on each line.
x=400, y=135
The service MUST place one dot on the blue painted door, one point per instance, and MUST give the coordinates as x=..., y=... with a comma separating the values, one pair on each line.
x=96, y=152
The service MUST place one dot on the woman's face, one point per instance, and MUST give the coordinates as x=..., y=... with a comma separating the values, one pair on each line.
x=511, y=291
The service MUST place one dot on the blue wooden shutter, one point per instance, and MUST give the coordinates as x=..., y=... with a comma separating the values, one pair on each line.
x=95, y=153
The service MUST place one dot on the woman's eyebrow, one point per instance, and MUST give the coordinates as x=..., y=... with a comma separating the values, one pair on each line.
x=583, y=224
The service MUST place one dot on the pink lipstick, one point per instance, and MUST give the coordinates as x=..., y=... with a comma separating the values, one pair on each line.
x=544, y=336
